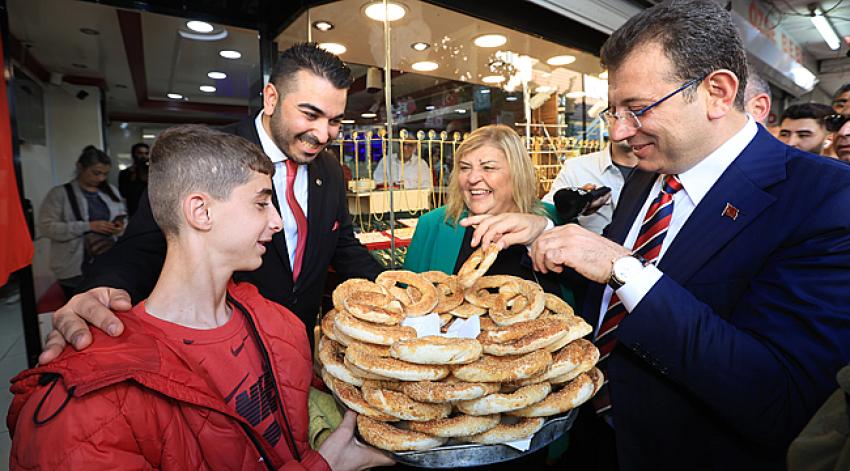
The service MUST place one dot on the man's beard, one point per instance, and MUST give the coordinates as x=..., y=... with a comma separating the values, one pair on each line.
x=283, y=140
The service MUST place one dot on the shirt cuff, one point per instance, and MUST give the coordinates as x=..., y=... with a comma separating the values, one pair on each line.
x=633, y=292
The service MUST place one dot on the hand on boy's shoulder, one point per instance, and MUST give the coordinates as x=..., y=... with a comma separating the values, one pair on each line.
x=70, y=322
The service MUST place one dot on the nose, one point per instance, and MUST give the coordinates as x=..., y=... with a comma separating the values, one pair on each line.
x=323, y=132
x=793, y=140
x=620, y=131
x=275, y=222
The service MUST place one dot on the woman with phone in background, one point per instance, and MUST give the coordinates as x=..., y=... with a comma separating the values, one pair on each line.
x=82, y=218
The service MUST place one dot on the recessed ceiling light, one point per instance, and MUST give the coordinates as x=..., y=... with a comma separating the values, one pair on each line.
x=604, y=75
x=174, y=96
x=420, y=46
x=333, y=48
x=544, y=89
x=148, y=136
x=216, y=75
x=493, y=79
x=347, y=121
x=460, y=110
x=511, y=98
x=230, y=54
x=368, y=115
x=377, y=12
x=199, y=26
x=207, y=88
x=490, y=40
x=323, y=25
x=484, y=91
x=430, y=107
x=424, y=66
x=574, y=94
x=89, y=31
x=561, y=60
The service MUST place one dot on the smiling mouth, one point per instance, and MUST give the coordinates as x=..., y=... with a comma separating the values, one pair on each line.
x=311, y=144
x=480, y=192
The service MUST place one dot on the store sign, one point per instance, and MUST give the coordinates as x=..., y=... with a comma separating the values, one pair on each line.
x=768, y=25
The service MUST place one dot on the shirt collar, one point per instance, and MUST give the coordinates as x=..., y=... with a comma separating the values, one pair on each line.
x=269, y=147
x=606, y=162
x=698, y=180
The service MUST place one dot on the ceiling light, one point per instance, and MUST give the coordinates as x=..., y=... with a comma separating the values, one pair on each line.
x=484, y=91
x=89, y=31
x=493, y=79
x=333, y=48
x=230, y=54
x=377, y=12
x=207, y=88
x=578, y=94
x=543, y=89
x=825, y=28
x=490, y=40
x=174, y=96
x=424, y=66
x=148, y=136
x=511, y=98
x=561, y=60
x=460, y=110
x=323, y=25
x=430, y=107
x=604, y=75
x=215, y=75
x=368, y=115
x=420, y=46
x=347, y=121
x=199, y=26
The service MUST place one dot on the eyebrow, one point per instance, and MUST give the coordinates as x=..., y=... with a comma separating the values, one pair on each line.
x=264, y=192
x=317, y=110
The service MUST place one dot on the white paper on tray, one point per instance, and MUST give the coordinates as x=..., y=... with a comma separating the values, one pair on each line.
x=430, y=325
x=521, y=445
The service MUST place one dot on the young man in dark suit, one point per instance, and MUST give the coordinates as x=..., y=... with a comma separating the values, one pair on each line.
x=303, y=105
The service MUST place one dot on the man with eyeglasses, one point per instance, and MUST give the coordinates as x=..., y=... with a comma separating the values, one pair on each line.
x=803, y=126
x=719, y=292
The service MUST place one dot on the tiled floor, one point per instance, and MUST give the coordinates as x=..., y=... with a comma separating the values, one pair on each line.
x=12, y=361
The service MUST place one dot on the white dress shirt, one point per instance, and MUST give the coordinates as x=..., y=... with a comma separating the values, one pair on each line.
x=415, y=172
x=596, y=168
x=290, y=227
x=696, y=182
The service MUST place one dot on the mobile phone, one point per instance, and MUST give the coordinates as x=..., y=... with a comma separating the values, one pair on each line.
x=599, y=192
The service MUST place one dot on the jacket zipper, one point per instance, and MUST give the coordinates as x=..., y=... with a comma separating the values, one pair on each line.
x=267, y=359
x=266, y=461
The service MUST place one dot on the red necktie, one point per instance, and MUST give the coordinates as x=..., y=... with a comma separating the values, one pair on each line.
x=300, y=219
x=647, y=245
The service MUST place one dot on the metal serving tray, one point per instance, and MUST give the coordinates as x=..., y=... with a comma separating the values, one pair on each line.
x=465, y=455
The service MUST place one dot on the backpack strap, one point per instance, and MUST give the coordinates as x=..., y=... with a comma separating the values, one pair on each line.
x=72, y=199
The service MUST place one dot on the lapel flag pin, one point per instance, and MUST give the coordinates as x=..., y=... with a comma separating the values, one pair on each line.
x=319, y=182
x=730, y=212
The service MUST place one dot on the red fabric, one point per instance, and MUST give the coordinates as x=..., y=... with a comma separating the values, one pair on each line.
x=230, y=357
x=136, y=402
x=16, y=249
x=300, y=219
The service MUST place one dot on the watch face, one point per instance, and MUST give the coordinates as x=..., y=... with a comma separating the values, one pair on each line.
x=624, y=267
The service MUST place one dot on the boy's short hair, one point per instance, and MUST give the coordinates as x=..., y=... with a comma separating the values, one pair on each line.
x=191, y=158
x=815, y=111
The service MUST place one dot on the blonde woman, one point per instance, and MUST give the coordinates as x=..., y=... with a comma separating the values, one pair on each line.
x=492, y=175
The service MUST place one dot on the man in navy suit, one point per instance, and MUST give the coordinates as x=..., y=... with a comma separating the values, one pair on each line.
x=733, y=293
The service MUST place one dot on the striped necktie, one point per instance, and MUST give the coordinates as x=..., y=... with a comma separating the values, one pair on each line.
x=647, y=245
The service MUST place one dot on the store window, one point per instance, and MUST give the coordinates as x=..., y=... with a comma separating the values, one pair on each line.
x=425, y=77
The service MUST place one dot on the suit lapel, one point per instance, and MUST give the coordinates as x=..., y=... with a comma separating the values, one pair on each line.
x=710, y=227
x=279, y=239
x=315, y=202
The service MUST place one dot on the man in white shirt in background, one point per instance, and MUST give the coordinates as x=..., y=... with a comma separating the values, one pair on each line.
x=415, y=172
x=609, y=167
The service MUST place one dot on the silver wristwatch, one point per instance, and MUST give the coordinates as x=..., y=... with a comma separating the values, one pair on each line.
x=624, y=269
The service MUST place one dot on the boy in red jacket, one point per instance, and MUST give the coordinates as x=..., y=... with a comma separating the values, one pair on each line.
x=209, y=374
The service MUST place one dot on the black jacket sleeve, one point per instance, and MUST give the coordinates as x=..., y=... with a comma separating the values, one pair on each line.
x=136, y=260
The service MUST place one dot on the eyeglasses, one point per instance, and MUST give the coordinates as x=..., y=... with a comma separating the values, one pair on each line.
x=630, y=118
x=834, y=122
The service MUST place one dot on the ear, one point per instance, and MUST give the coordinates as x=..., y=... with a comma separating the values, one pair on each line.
x=196, y=211
x=759, y=107
x=270, y=99
x=722, y=87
